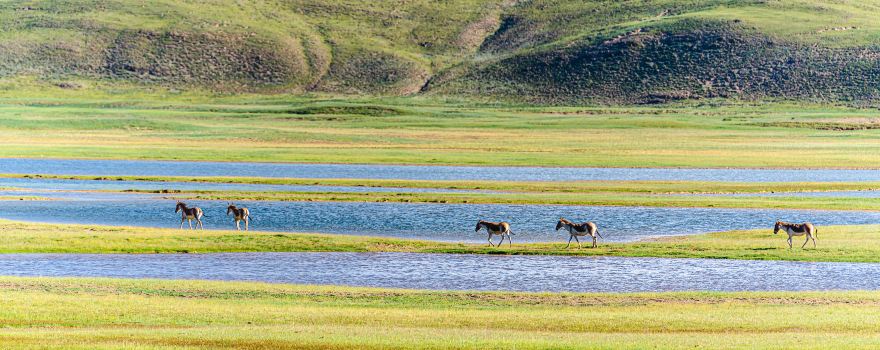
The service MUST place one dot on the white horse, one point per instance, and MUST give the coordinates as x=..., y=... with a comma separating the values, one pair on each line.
x=575, y=230
x=797, y=230
x=496, y=228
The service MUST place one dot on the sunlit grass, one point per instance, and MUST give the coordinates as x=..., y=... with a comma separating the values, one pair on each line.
x=426, y=131
x=567, y=198
x=643, y=187
x=619, y=193
x=150, y=314
x=835, y=243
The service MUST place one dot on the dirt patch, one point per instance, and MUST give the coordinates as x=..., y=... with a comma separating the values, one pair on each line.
x=473, y=35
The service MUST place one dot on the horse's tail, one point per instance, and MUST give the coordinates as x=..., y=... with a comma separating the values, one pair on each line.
x=510, y=232
x=600, y=235
x=815, y=233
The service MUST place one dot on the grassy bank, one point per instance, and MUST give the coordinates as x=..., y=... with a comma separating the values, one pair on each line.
x=638, y=187
x=150, y=314
x=617, y=193
x=598, y=199
x=24, y=198
x=101, y=125
x=840, y=243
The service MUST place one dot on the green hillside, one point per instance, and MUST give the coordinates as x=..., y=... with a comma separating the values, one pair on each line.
x=541, y=51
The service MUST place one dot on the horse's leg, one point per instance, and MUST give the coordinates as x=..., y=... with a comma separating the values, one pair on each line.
x=237, y=226
x=490, y=240
x=199, y=224
x=594, y=242
x=569, y=242
x=509, y=242
x=181, y=223
x=579, y=241
x=789, y=242
x=190, y=223
x=806, y=241
x=246, y=220
x=814, y=240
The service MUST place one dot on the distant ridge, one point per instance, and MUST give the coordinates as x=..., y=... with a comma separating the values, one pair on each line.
x=538, y=51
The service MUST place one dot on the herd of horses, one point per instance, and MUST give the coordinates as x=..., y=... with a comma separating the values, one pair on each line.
x=502, y=229
x=196, y=213
x=574, y=230
x=590, y=229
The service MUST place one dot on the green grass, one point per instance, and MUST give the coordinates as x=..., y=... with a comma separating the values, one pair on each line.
x=588, y=199
x=24, y=198
x=617, y=187
x=428, y=131
x=806, y=21
x=836, y=243
x=70, y=313
x=618, y=193
x=442, y=48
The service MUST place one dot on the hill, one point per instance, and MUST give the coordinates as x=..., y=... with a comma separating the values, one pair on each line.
x=539, y=51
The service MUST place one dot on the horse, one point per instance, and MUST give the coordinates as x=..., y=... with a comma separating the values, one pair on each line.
x=496, y=228
x=189, y=214
x=797, y=230
x=239, y=215
x=575, y=230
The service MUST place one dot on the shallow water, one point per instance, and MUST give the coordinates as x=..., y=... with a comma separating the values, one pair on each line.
x=444, y=222
x=461, y=272
x=114, y=185
x=167, y=168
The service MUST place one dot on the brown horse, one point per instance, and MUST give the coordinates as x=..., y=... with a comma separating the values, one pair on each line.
x=189, y=214
x=496, y=228
x=575, y=230
x=239, y=215
x=797, y=230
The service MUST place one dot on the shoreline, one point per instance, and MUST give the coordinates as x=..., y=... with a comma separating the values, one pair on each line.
x=837, y=243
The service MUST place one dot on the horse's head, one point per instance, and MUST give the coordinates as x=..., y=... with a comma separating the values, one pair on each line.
x=180, y=206
x=560, y=223
x=777, y=227
x=230, y=209
x=479, y=225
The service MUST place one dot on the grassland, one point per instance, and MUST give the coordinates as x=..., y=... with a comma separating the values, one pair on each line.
x=836, y=243
x=589, y=199
x=150, y=314
x=617, y=193
x=197, y=127
x=632, y=187
x=24, y=198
